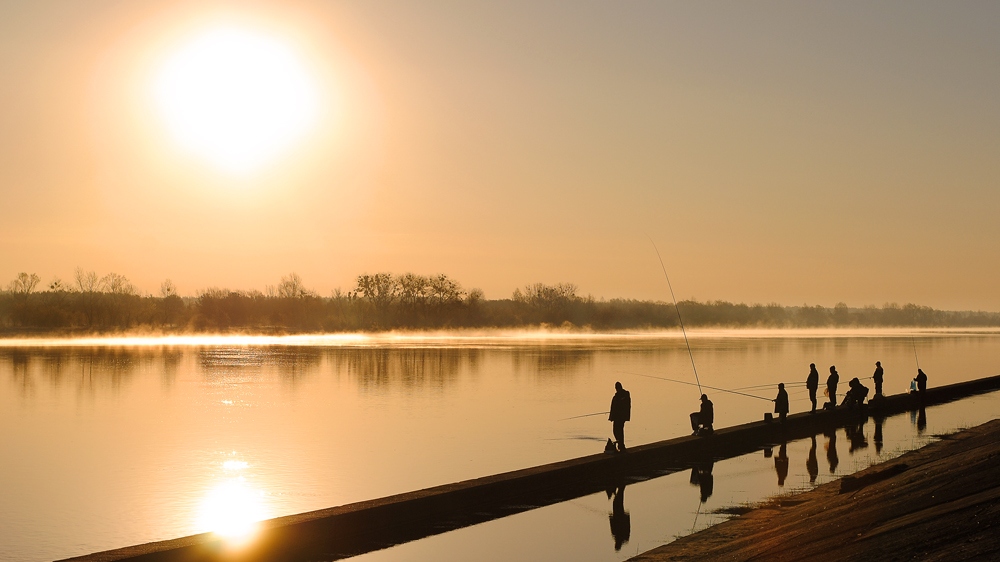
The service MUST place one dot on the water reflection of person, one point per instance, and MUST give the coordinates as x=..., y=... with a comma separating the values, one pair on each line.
x=812, y=464
x=701, y=476
x=856, y=435
x=620, y=520
x=781, y=464
x=879, y=420
x=831, y=449
x=921, y=421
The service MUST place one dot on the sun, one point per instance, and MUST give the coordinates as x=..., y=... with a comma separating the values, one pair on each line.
x=236, y=97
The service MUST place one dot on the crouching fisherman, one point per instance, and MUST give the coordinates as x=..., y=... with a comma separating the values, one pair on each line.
x=855, y=397
x=702, y=420
x=621, y=412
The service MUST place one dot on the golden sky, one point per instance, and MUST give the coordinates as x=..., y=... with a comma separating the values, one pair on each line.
x=775, y=152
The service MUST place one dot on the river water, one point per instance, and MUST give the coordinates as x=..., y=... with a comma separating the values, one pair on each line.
x=113, y=442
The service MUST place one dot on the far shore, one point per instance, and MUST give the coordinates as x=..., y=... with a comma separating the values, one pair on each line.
x=458, y=337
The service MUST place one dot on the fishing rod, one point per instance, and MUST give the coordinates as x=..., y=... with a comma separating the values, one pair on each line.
x=696, y=514
x=583, y=416
x=678, y=311
x=699, y=386
x=770, y=385
x=913, y=340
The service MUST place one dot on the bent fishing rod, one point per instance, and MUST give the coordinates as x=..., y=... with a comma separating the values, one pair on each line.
x=678, y=311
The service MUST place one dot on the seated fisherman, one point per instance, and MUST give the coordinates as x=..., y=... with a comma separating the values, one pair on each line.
x=702, y=420
x=856, y=395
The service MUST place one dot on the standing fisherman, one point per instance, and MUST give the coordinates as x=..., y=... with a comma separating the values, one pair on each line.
x=781, y=404
x=921, y=384
x=877, y=377
x=812, y=383
x=831, y=386
x=621, y=412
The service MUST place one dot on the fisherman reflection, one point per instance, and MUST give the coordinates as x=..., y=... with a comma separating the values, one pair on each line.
x=921, y=421
x=856, y=435
x=812, y=464
x=831, y=449
x=701, y=476
x=879, y=420
x=620, y=520
x=781, y=464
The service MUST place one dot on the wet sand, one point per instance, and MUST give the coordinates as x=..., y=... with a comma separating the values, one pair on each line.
x=940, y=502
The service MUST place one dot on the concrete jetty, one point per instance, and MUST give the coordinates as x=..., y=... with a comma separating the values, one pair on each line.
x=352, y=529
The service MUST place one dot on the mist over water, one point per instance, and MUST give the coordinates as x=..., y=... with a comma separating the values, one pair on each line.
x=112, y=445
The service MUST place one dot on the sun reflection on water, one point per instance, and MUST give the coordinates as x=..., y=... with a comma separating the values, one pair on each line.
x=232, y=508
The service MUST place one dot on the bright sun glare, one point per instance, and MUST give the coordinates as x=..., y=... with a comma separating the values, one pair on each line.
x=235, y=97
x=232, y=510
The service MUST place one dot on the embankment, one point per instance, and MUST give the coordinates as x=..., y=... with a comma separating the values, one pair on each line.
x=940, y=502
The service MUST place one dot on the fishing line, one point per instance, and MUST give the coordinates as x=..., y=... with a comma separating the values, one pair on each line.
x=583, y=416
x=678, y=311
x=699, y=386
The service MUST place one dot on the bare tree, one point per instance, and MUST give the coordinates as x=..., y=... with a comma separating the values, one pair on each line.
x=88, y=281
x=379, y=289
x=291, y=287
x=24, y=283
x=167, y=289
x=117, y=284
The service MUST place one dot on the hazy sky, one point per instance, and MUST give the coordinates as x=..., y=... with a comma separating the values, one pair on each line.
x=776, y=152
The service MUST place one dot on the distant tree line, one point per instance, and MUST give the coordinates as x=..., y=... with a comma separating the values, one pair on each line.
x=384, y=301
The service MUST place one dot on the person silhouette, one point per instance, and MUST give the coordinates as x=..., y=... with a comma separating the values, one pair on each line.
x=877, y=377
x=921, y=379
x=856, y=435
x=879, y=420
x=781, y=403
x=831, y=386
x=619, y=519
x=812, y=383
x=781, y=464
x=855, y=397
x=812, y=463
x=702, y=420
x=621, y=412
x=701, y=476
x=831, y=450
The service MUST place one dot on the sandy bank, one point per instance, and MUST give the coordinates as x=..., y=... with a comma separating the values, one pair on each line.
x=941, y=502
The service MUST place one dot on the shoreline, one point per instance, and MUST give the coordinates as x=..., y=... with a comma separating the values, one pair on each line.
x=941, y=501
x=467, y=336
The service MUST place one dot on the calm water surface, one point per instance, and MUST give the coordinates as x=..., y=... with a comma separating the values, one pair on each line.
x=111, y=443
